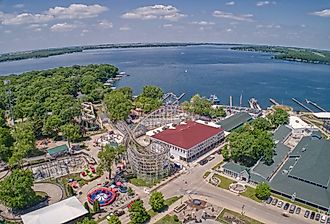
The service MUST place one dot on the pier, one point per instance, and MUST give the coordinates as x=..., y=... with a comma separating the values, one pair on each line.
x=302, y=105
x=315, y=105
x=274, y=102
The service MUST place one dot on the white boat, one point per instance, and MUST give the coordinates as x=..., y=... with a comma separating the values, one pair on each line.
x=214, y=100
x=254, y=104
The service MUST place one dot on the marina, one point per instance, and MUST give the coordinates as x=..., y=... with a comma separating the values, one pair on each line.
x=302, y=105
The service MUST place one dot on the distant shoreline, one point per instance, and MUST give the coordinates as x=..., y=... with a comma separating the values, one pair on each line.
x=295, y=54
x=291, y=54
x=44, y=53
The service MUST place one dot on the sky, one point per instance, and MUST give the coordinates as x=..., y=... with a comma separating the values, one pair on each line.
x=37, y=24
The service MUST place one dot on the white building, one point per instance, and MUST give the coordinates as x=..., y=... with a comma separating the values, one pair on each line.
x=66, y=211
x=188, y=141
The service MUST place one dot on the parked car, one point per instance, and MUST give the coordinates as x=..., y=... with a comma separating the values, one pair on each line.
x=119, y=212
x=312, y=215
x=317, y=217
x=286, y=206
x=328, y=220
x=323, y=219
x=211, y=158
x=274, y=202
x=306, y=215
x=280, y=204
x=298, y=210
x=269, y=200
x=292, y=208
x=203, y=162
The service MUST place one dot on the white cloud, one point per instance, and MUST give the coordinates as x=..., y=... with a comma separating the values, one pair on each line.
x=322, y=13
x=77, y=11
x=229, y=15
x=303, y=26
x=62, y=27
x=125, y=28
x=203, y=23
x=166, y=12
x=105, y=24
x=7, y=31
x=269, y=26
x=263, y=3
x=229, y=30
x=230, y=3
x=18, y=6
x=74, y=11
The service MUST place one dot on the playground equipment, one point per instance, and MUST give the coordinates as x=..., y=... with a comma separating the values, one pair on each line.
x=105, y=196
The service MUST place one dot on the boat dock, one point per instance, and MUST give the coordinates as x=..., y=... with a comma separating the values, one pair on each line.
x=302, y=105
x=315, y=105
x=274, y=102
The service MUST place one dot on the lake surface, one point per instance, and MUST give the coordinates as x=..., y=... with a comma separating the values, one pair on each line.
x=205, y=70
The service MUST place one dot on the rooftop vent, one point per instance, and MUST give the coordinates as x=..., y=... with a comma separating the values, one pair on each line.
x=285, y=172
x=290, y=167
x=303, y=149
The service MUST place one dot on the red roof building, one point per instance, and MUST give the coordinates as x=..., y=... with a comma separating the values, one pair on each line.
x=189, y=140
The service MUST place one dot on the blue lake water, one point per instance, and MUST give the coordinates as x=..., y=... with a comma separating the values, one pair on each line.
x=205, y=70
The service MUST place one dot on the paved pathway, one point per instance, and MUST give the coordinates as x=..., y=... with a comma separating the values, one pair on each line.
x=54, y=192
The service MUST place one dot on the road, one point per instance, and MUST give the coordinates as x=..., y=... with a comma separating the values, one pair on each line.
x=192, y=183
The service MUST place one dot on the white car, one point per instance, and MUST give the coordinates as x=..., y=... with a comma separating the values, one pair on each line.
x=323, y=219
x=147, y=190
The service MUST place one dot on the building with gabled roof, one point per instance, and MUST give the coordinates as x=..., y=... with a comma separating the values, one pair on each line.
x=188, y=140
x=66, y=211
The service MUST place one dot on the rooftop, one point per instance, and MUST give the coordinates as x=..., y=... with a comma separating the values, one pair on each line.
x=322, y=115
x=235, y=121
x=234, y=167
x=313, y=161
x=281, y=133
x=58, y=149
x=265, y=170
x=296, y=123
x=60, y=212
x=187, y=135
x=309, y=161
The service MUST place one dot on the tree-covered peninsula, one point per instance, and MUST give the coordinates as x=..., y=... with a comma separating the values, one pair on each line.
x=291, y=53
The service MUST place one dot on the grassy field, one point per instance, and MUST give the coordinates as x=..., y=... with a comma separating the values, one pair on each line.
x=171, y=200
x=225, y=182
x=245, y=219
x=206, y=174
x=251, y=193
x=168, y=219
x=143, y=183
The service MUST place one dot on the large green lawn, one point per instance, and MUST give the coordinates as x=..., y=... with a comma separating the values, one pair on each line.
x=143, y=183
x=168, y=219
x=245, y=219
x=251, y=193
x=224, y=181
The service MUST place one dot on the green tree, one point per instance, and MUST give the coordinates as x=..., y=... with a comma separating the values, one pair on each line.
x=6, y=142
x=96, y=206
x=261, y=124
x=70, y=190
x=114, y=220
x=157, y=201
x=248, y=144
x=263, y=191
x=24, y=143
x=107, y=157
x=225, y=153
x=118, y=104
x=153, y=92
x=16, y=189
x=279, y=117
x=71, y=132
x=87, y=221
x=52, y=125
x=86, y=206
x=138, y=213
